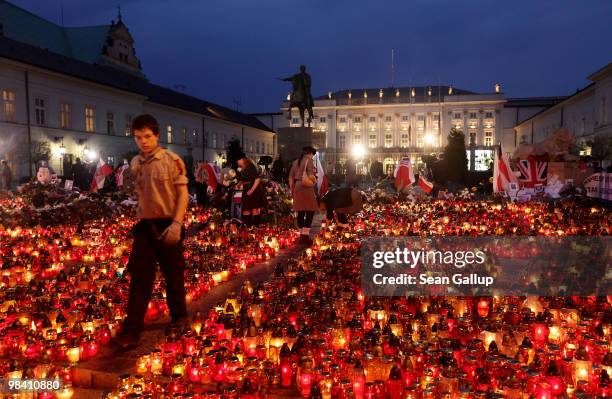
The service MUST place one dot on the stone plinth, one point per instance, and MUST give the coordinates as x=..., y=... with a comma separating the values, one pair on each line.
x=291, y=140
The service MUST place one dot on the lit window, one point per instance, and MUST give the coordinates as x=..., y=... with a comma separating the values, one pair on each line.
x=128, y=125
x=110, y=123
x=457, y=115
x=322, y=119
x=488, y=139
x=404, y=141
x=214, y=140
x=357, y=139
x=357, y=119
x=341, y=141
x=388, y=118
x=405, y=118
x=169, y=133
x=65, y=116
x=419, y=139
x=488, y=114
x=90, y=122
x=343, y=119
x=388, y=140
x=372, y=143
x=372, y=119
x=472, y=115
x=8, y=97
x=39, y=110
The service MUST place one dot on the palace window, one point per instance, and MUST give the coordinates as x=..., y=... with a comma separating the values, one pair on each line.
x=404, y=140
x=357, y=139
x=322, y=119
x=295, y=121
x=488, y=114
x=472, y=115
x=65, y=116
x=90, y=122
x=405, y=118
x=388, y=140
x=169, y=133
x=472, y=137
x=128, y=125
x=372, y=142
x=110, y=123
x=457, y=115
x=214, y=140
x=185, y=138
x=8, y=97
x=421, y=118
x=488, y=139
x=372, y=119
x=357, y=119
x=388, y=118
x=419, y=140
x=194, y=133
x=341, y=141
x=39, y=111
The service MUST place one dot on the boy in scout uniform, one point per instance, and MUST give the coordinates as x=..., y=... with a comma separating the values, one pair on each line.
x=161, y=185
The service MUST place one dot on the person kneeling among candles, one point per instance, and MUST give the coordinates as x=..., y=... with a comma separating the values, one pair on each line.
x=343, y=202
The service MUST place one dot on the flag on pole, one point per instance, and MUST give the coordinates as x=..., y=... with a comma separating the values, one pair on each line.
x=403, y=174
x=322, y=181
x=214, y=175
x=425, y=184
x=102, y=170
x=502, y=174
x=119, y=174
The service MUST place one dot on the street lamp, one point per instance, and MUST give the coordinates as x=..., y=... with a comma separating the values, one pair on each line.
x=358, y=151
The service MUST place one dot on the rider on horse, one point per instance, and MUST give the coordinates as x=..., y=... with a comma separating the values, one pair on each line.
x=301, y=96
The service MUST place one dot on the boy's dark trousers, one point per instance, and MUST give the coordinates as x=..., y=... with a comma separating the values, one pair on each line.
x=147, y=251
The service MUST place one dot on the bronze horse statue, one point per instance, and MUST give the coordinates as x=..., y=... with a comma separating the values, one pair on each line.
x=301, y=97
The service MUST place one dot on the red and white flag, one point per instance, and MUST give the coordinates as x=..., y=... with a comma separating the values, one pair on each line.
x=425, y=184
x=119, y=174
x=322, y=181
x=403, y=174
x=102, y=170
x=214, y=175
x=502, y=174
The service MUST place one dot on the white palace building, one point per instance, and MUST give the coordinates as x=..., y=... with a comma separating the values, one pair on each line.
x=387, y=124
x=75, y=90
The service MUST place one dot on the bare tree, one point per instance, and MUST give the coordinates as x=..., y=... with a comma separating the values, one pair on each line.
x=601, y=148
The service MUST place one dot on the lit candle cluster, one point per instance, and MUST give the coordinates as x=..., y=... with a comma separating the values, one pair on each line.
x=310, y=332
x=64, y=288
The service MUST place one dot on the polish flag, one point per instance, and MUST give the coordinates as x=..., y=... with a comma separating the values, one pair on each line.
x=403, y=174
x=322, y=181
x=425, y=184
x=119, y=174
x=214, y=175
x=502, y=174
x=102, y=170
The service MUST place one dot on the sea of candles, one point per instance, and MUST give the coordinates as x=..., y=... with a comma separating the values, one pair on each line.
x=310, y=332
x=64, y=287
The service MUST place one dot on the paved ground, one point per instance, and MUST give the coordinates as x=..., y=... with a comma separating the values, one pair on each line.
x=97, y=375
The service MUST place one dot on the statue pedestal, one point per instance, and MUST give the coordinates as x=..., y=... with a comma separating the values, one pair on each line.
x=291, y=140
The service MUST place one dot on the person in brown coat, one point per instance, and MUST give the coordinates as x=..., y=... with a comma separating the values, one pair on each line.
x=253, y=193
x=303, y=193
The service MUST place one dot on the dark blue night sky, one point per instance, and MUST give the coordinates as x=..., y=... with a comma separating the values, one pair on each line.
x=224, y=50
